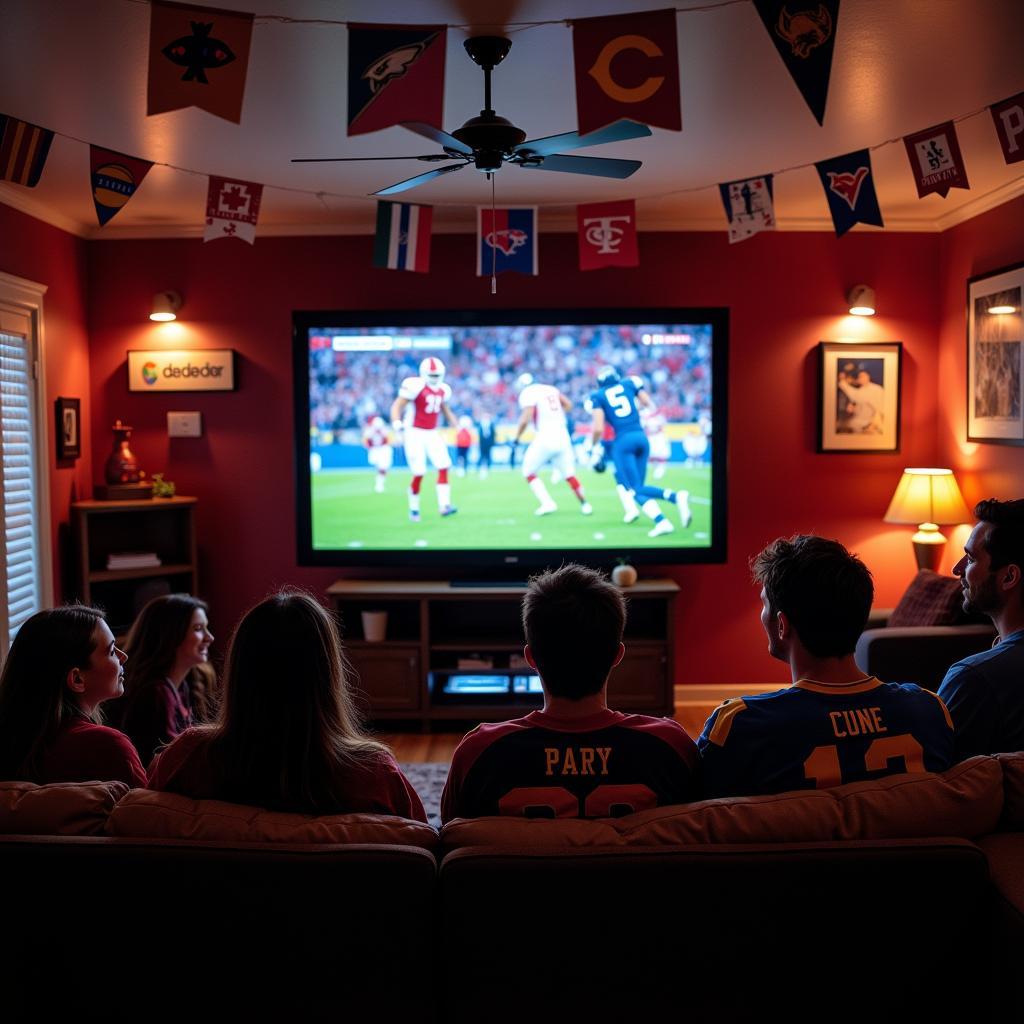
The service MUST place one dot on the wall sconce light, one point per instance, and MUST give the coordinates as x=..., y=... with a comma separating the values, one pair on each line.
x=165, y=306
x=861, y=300
x=929, y=498
x=1001, y=310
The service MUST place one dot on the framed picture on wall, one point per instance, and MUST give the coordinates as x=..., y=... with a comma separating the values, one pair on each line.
x=995, y=348
x=859, y=405
x=69, y=427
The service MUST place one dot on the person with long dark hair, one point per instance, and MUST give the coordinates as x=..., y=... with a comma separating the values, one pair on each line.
x=287, y=734
x=165, y=689
x=62, y=666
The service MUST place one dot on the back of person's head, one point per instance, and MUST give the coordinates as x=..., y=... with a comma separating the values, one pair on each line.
x=34, y=695
x=1005, y=543
x=287, y=715
x=823, y=589
x=573, y=619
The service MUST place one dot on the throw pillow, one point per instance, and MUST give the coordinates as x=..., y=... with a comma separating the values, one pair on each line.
x=930, y=600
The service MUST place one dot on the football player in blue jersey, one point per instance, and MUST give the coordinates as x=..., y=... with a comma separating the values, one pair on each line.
x=617, y=402
x=834, y=724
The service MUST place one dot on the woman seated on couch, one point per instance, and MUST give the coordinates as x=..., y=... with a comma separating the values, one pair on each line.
x=287, y=735
x=62, y=665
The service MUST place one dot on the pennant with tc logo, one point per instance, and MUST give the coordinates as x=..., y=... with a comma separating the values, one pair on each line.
x=232, y=209
x=115, y=179
x=804, y=33
x=850, y=190
x=936, y=161
x=198, y=57
x=627, y=67
x=748, y=205
x=395, y=74
x=1008, y=117
x=607, y=235
x=506, y=239
x=24, y=148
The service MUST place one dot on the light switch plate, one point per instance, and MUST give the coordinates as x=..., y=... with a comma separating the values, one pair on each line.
x=184, y=424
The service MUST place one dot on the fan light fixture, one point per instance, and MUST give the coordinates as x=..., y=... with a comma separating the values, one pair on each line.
x=929, y=498
x=165, y=306
x=861, y=300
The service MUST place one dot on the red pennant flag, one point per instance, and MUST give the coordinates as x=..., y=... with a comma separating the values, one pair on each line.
x=607, y=235
x=115, y=179
x=627, y=66
x=198, y=57
x=936, y=161
x=232, y=209
x=1008, y=117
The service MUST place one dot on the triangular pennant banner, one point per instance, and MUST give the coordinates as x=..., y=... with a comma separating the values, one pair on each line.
x=627, y=66
x=936, y=161
x=805, y=37
x=607, y=235
x=395, y=74
x=198, y=57
x=403, y=236
x=24, y=148
x=232, y=209
x=1008, y=117
x=849, y=186
x=506, y=240
x=115, y=179
x=748, y=205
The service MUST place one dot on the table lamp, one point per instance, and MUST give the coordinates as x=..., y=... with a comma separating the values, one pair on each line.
x=928, y=498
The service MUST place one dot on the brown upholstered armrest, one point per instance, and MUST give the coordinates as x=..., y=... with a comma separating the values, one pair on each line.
x=878, y=617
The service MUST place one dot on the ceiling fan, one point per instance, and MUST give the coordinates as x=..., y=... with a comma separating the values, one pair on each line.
x=489, y=140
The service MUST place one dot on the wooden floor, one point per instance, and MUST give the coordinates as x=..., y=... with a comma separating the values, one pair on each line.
x=415, y=746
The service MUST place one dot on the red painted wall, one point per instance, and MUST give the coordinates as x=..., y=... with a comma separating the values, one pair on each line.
x=785, y=292
x=46, y=255
x=988, y=242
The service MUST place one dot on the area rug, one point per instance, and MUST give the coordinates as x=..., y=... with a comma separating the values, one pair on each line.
x=427, y=779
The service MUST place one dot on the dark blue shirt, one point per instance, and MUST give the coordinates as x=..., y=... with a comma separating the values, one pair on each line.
x=985, y=696
x=619, y=404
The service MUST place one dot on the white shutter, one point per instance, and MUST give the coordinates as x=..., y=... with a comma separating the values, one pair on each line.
x=20, y=535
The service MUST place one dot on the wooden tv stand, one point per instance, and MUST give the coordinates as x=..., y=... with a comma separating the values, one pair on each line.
x=432, y=624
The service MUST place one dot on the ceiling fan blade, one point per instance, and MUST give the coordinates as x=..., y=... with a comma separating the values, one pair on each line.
x=600, y=167
x=428, y=131
x=419, y=179
x=618, y=132
x=346, y=159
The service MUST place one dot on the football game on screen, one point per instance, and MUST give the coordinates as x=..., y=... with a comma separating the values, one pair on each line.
x=510, y=437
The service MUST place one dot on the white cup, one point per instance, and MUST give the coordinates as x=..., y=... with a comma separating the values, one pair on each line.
x=375, y=625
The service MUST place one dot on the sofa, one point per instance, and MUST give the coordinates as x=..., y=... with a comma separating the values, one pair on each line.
x=897, y=899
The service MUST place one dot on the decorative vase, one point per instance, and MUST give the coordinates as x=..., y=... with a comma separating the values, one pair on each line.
x=623, y=575
x=122, y=467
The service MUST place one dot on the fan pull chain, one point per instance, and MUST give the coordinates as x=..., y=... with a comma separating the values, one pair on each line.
x=494, y=248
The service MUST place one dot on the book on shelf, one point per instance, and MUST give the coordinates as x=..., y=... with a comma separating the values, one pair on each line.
x=133, y=560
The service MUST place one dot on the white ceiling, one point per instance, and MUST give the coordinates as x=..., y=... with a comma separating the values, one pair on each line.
x=79, y=67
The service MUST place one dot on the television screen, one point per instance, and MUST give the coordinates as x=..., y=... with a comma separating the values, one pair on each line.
x=501, y=439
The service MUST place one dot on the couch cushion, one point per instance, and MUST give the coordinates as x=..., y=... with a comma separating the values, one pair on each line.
x=965, y=802
x=1005, y=853
x=1013, y=791
x=58, y=809
x=930, y=600
x=144, y=813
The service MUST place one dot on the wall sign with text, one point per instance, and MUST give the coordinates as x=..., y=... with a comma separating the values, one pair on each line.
x=210, y=369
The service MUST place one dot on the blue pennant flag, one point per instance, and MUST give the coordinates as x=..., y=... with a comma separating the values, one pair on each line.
x=506, y=239
x=850, y=190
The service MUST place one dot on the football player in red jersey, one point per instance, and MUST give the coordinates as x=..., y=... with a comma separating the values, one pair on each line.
x=378, y=450
x=429, y=396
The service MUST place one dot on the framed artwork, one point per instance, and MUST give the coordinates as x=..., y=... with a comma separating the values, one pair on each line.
x=859, y=406
x=69, y=427
x=995, y=345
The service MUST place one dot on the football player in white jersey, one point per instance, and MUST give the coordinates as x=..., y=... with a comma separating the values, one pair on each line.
x=428, y=396
x=653, y=423
x=377, y=440
x=545, y=407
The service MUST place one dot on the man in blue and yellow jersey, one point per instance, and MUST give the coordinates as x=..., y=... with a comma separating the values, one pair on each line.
x=834, y=724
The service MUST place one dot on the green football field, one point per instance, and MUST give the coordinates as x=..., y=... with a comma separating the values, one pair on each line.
x=496, y=512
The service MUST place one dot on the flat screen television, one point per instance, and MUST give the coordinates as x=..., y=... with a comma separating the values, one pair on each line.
x=373, y=393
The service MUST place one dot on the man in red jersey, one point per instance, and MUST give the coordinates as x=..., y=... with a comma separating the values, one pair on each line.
x=577, y=758
x=429, y=397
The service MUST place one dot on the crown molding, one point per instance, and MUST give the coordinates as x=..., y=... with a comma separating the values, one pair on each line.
x=17, y=199
x=975, y=207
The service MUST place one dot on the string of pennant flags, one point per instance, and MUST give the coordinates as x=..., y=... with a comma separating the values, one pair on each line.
x=198, y=56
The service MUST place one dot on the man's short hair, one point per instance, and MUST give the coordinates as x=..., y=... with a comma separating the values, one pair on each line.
x=1005, y=543
x=824, y=591
x=573, y=619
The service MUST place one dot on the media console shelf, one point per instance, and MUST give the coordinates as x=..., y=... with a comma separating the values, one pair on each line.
x=432, y=625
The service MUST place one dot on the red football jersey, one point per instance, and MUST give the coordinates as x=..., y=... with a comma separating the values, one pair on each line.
x=426, y=400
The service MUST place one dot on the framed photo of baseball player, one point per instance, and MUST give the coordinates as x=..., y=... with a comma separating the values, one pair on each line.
x=995, y=350
x=859, y=408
